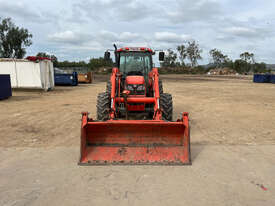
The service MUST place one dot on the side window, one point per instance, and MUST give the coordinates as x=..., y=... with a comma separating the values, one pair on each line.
x=122, y=63
x=147, y=63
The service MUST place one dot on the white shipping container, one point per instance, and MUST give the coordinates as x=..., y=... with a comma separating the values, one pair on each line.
x=29, y=74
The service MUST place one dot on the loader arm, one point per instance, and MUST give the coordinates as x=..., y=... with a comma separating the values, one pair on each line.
x=155, y=79
x=114, y=79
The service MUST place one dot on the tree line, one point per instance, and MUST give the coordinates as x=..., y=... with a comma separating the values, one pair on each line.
x=244, y=64
x=191, y=51
x=15, y=40
x=93, y=63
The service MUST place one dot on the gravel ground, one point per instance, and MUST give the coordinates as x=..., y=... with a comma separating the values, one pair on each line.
x=232, y=139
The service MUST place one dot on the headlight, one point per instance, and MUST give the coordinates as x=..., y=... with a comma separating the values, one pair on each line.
x=136, y=87
x=140, y=87
x=130, y=87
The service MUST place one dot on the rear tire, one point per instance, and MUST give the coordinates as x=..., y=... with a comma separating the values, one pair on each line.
x=166, y=104
x=103, y=106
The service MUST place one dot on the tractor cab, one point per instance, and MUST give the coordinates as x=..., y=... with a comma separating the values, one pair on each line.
x=135, y=61
x=135, y=64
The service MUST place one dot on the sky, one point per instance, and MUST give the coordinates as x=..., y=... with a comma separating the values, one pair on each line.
x=81, y=29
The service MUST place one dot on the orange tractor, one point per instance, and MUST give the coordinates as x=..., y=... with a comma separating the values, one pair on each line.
x=134, y=117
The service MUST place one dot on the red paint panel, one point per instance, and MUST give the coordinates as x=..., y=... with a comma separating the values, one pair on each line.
x=135, y=80
x=136, y=99
x=134, y=49
x=135, y=134
x=136, y=107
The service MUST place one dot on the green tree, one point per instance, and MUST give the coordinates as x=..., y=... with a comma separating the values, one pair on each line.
x=95, y=63
x=193, y=53
x=229, y=63
x=240, y=66
x=248, y=57
x=13, y=40
x=219, y=59
x=182, y=53
x=72, y=64
x=260, y=68
x=248, y=61
x=170, y=59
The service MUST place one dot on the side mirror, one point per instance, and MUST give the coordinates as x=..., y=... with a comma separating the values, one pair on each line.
x=107, y=55
x=161, y=56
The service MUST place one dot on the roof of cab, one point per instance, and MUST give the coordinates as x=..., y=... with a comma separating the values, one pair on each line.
x=135, y=49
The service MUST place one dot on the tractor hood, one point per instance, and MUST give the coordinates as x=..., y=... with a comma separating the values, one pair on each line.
x=135, y=80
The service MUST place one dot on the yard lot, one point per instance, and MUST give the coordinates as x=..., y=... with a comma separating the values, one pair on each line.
x=232, y=146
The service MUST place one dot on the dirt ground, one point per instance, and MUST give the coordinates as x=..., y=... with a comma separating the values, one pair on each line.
x=232, y=145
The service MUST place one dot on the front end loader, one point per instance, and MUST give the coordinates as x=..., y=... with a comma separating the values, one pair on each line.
x=134, y=117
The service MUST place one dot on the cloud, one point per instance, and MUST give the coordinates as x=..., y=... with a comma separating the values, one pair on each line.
x=107, y=36
x=29, y=14
x=69, y=37
x=129, y=37
x=97, y=42
x=190, y=11
x=247, y=32
x=170, y=37
x=122, y=10
x=131, y=10
x=8, y=9
x=103, y=37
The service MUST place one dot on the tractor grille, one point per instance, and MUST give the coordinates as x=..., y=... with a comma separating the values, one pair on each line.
x=136, y=89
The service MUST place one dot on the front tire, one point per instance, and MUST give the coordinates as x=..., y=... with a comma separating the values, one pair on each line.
x=103, y=106
x=160, y=87
x=108, y=87
x=166, y=104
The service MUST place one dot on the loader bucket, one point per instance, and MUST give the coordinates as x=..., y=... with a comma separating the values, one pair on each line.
x=135, y=142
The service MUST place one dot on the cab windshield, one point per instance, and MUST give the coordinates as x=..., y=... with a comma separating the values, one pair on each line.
x=135, y=63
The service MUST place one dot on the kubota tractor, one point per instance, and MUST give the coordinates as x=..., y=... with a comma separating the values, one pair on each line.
x=134, y=117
